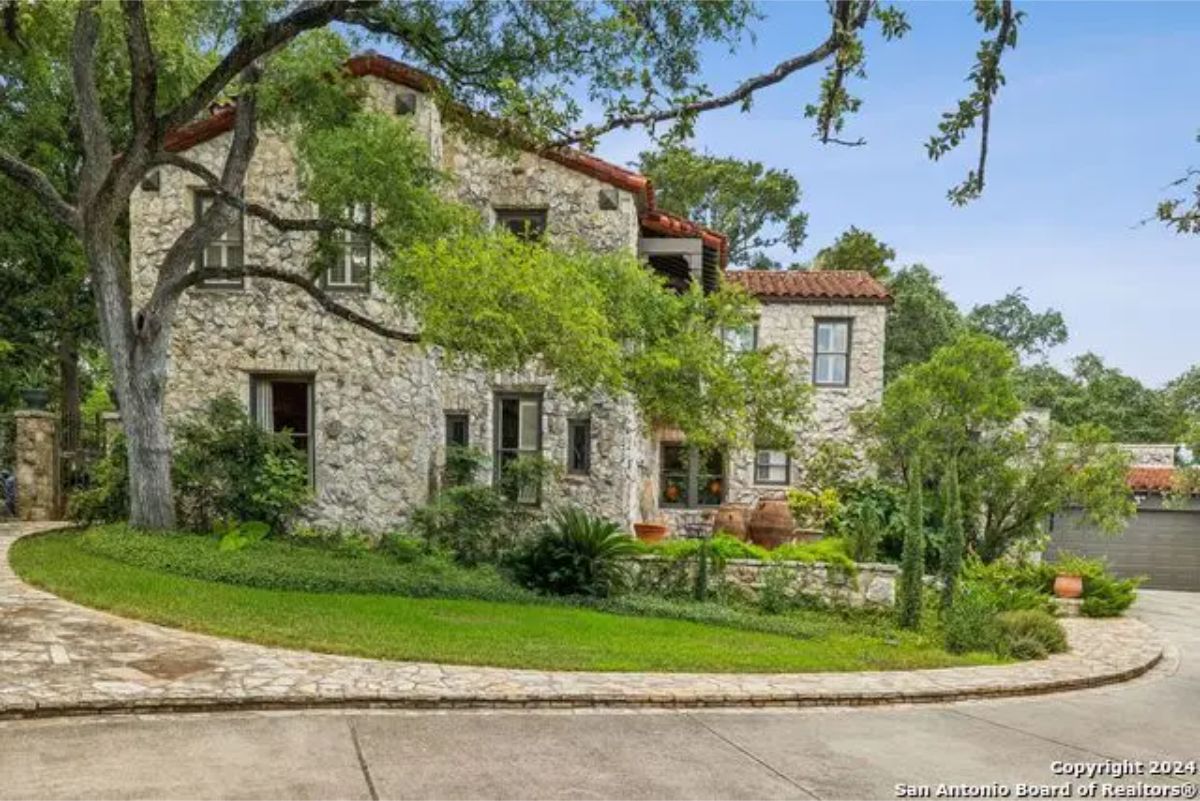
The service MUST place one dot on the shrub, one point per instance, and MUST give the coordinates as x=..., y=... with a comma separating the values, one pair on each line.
x=1011, y=586
x=1107, y=596
x=475, y=523
x=870, y=511
x=1029, y=634
x=227, y=467
x=829, y=550
x=574, y=554
x=911, y=586
x=969, y=624
x=402, y=547
x=463, y=464
x=814, y=509
x=774, y=590
x=107, y=500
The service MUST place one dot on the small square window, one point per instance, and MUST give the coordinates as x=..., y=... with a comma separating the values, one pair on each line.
x=526, y=224
x=579, y=446
x=458, y=430
x=406, y=104
x=742, y=339
x=771, y=467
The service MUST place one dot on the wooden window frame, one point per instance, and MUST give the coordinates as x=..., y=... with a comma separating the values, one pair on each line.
x=342, y=243
x=586, y=468
x=297, y=378
x=847, y=355
x=199, y=195
x=692, y=496
x=787, y=468
x=504, y=214
x=498, y=452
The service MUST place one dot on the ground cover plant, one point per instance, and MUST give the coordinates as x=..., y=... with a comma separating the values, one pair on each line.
x=625, y=633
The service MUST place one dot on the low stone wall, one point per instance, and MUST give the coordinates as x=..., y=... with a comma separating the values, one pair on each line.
x=870, y=585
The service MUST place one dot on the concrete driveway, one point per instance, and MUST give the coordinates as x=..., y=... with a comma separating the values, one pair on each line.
x=839, y=753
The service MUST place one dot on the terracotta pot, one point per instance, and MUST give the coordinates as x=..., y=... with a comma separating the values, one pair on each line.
x=771, y=523
x=1067, y=586
x=650, y=532
x=732, y=518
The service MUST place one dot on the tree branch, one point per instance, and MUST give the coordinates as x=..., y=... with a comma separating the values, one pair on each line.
x=308, y=16
x=985, y=116
x=310, y=286
x=742, y=93
x=320, y=225
x=143, y=84
x=97, y=148
x=35, y=181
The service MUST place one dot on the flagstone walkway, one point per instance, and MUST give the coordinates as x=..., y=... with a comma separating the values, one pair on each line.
x=57, y=658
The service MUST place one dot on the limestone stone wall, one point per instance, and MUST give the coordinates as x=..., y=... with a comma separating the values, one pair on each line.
x=1147, y=455
x=379, y=405
x=871, y=585
x=36, y=449
x=791, y=326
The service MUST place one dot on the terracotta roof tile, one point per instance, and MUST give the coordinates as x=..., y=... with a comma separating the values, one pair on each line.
x=852, y=285
x=1150, y=479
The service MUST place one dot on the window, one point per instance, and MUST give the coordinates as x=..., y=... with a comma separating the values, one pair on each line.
x=351, y=253
x=741, y=339
x=527, y=224
x=518, y=434
x=225, y=251
x=579, y=446
x=772, y=467
x=458, y=430
x=285, y=403
x=831, y=353
x=690, y=478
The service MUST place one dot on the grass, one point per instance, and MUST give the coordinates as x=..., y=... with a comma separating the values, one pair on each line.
x=462, y=631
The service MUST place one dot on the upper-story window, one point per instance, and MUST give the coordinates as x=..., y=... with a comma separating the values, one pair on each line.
x=527, y=224
x=742, y=339
x=350, y=266
x=226, y=251
x=831, y=354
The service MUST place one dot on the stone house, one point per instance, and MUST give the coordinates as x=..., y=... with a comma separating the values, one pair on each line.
x=375, y=416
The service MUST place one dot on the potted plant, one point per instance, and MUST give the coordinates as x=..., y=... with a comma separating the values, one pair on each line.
x=812, y=510
x=35, y=392
x=650, y=528
x=1069, y=572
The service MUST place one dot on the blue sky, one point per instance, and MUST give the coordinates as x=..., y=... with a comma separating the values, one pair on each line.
x=1100, y=112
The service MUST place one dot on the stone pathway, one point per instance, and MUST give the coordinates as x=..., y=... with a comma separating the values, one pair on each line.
x=57, y=658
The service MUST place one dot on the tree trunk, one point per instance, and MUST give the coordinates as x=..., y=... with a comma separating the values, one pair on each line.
x=138, y=349
x=68, y=371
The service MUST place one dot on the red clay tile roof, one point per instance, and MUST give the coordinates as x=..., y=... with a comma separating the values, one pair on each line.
x=1150, y=479
x=388, y=69
x=851, y=285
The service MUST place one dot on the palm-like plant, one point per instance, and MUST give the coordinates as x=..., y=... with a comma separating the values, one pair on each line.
x=575, y=553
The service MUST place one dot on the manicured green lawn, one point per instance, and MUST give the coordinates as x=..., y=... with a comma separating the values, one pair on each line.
x=460, y=631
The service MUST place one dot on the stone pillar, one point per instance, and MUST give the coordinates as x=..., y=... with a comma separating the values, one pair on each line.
x=39, y=492
x=112, y=427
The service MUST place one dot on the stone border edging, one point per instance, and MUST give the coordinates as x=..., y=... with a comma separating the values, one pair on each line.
x=99, y=662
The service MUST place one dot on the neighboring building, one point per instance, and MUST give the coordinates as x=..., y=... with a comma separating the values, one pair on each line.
x=375, y=416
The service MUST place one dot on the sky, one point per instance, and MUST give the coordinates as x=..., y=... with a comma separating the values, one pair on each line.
x=1099, y=114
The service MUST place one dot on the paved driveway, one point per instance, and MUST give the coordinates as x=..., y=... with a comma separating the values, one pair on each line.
x=846, y=753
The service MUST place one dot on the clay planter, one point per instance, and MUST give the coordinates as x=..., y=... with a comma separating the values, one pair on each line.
x=771, y=524
x=650, y=532
x=732, y=518
x=1068, y=586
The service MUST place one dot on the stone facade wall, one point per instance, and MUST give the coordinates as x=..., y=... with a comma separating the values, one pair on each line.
x=379, y=405
x=872, y=585
x=39, y=493
x=1147, y=455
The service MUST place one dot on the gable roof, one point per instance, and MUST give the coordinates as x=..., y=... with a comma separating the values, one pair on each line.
x=854, y=286
x=388, y=69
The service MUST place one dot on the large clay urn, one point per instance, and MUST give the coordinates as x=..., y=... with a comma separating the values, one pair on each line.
x=1067, y=585
x=771, y=523
x=732, y=518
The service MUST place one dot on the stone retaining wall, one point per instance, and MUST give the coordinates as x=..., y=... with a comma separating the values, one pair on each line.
x=871, y=585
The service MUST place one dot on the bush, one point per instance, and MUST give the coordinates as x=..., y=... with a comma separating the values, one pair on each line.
x=574, y=554
x=969, y=624
x=1107, y=596
x=107, y=500
x=1011, y=586
x=1029, y=634
x=473, y=522
x=814, y=509
x=227, y=467
x=870, y=512
x=774, y=590
x=463, y=464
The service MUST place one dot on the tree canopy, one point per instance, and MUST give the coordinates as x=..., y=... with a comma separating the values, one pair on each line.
x=756, y=207
x=856, y=249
